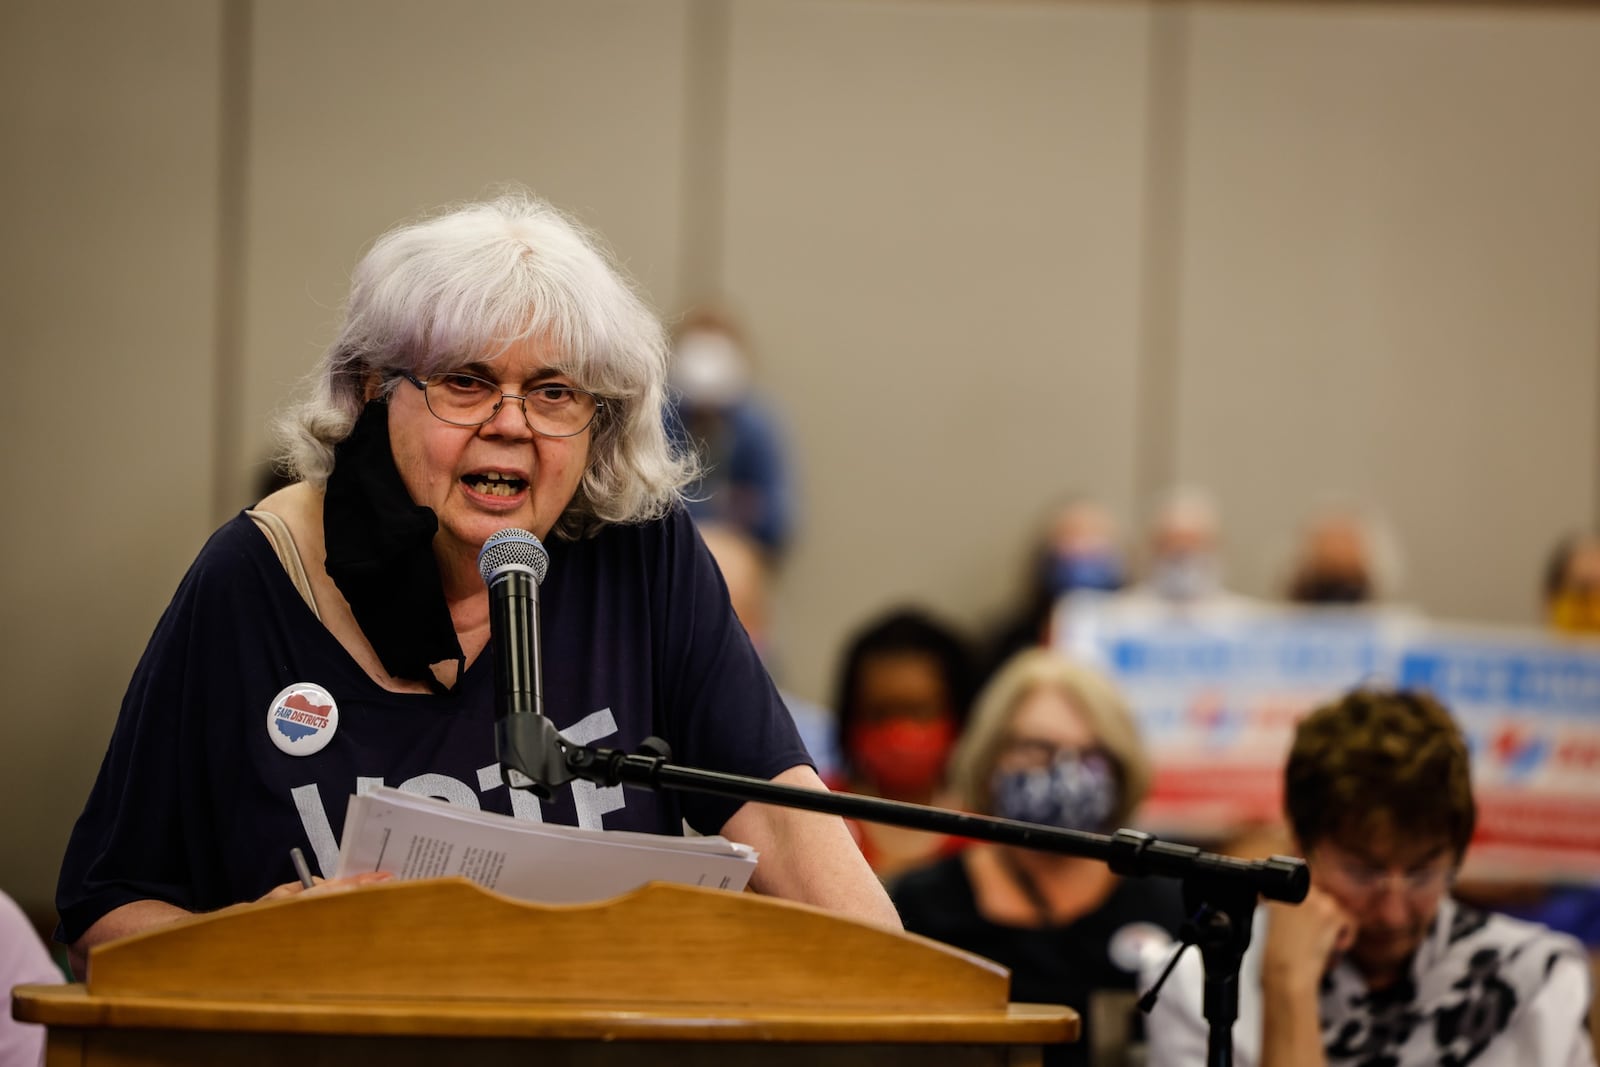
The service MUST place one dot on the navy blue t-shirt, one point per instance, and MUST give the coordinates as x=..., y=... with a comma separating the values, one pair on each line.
x=197, y=805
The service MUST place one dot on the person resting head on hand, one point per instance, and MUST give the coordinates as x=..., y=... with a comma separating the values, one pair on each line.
x=1380, y=964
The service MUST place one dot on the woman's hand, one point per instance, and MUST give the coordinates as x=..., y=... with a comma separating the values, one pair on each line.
x=326, y=885
x=143, y=915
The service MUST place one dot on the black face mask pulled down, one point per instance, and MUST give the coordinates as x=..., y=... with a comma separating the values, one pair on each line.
x=380, y=554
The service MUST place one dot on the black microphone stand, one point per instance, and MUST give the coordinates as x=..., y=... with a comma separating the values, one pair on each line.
x=1219, y=891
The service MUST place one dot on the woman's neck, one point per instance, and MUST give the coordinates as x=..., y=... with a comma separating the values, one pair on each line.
x=468, y=600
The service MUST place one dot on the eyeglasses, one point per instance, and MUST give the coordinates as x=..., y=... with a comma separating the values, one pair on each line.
x=553, y=409
x=1370, y=881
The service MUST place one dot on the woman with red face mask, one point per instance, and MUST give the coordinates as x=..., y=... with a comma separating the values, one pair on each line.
x=902, y=700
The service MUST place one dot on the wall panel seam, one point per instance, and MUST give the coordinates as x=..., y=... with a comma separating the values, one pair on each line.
x=1156, y=396
x=233, y=149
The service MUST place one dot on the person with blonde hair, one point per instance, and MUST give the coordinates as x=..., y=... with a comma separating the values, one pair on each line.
x=1049, y=742
x=494, y=370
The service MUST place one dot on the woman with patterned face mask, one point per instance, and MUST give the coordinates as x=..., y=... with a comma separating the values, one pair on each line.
x=902, y=699
x=1049, y=742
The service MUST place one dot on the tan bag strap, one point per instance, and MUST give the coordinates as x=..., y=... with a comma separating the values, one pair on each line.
x=277, y=532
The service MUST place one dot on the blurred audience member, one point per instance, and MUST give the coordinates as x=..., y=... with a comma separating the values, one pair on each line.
x=1076, y=553
x=1380, y=965
x=1345, y=556
x=746, y=481
x=1572, y=584
x=23, y=961
x=903, y=695
x=1184, y=567
x=1050, y=742
x=748, y=575
x=1572, y=605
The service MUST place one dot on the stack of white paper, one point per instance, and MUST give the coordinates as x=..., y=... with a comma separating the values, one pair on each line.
x=420, y=837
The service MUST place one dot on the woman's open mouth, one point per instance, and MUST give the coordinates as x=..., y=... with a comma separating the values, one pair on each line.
x=493, y=483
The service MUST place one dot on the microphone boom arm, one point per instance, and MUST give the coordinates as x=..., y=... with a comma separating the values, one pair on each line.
x=1127, y=852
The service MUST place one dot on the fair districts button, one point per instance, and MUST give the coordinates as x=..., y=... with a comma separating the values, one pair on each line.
x=302, y=719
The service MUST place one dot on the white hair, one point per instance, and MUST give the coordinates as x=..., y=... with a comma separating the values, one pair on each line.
x=465, y=284
x=1189, y=507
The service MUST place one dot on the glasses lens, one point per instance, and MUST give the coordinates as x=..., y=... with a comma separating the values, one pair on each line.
x=1428, y=881
x=461, y=398
x=559, y=410
x=1372, y=880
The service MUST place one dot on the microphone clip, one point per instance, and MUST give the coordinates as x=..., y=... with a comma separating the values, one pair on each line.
x=533, y=755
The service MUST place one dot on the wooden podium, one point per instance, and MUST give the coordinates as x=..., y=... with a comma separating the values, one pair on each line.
x=443, y=971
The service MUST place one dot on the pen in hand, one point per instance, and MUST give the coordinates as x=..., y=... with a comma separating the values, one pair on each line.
x=300, y=867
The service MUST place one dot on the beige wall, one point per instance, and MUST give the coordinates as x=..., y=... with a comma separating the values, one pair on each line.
x=942, y=272
x=108, y=250
x=1390, y=263
x=366, y=113
x=989, y=252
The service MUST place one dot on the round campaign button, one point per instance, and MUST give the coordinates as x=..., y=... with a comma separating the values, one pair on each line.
x=301, y=720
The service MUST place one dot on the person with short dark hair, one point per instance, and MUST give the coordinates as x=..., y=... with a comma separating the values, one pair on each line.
x=1380, y=965
x=903, y=692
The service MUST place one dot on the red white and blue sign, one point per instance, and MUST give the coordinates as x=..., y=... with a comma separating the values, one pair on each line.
x=1218, y=697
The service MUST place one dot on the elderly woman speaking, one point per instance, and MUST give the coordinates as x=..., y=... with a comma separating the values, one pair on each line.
x=493, y=371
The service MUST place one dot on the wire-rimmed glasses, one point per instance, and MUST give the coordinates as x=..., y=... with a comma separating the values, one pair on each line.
x=552, y=409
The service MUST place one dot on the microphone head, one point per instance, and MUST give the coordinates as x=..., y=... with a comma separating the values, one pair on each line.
x=512, y=549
